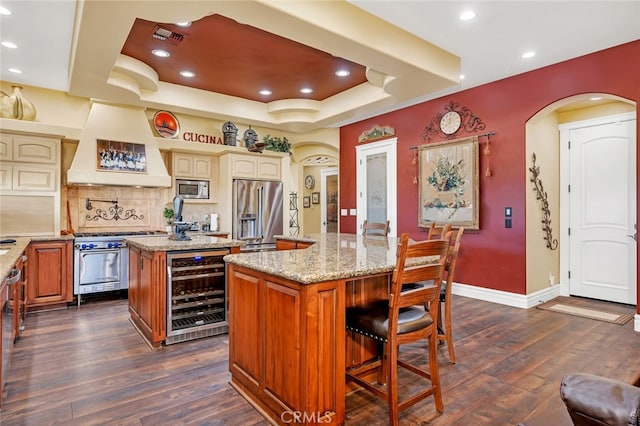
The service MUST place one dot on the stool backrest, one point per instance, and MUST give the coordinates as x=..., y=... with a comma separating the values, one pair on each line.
x=375, y=228
x=415, y=262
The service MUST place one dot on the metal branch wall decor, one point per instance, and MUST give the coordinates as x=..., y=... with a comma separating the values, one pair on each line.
x=440, y=125
x=115, y=212
x=541, y=195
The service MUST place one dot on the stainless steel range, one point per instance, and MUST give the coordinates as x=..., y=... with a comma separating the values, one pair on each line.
x=101, y=261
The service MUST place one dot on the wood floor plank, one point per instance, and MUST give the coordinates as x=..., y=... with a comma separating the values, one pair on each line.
x=88, y=366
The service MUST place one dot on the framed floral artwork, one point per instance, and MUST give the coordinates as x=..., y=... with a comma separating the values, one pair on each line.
x=448, y=183
x=315, y=197
x=306, y=201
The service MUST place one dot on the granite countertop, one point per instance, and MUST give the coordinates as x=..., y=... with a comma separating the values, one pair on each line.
x=12, y=255
x=14, y=251
x=332, y=257
x=198, y=242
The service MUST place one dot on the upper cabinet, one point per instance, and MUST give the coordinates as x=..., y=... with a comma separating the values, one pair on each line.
x=249, y=166
x=29, y=162
x=28, y=148
x=191, y=166
x=30, y=183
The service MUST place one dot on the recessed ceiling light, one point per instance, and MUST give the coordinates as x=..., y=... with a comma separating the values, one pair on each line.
x=4, y=11
x=161, y=53
x=265, y=92
x=461, y=77
x=343, y=73
x=596, y=98
x=184, y=24
x=529, y=54
x=15, y=70
x=187, y=74
x=306, y=90
x=467, y=15
x=9, y=44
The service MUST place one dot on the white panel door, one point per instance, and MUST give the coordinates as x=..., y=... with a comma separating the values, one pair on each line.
x=602, y=172
x=376, y=183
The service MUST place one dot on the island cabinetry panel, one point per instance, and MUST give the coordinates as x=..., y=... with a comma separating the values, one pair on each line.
x=50, y=271
x=286, y=346
x=148, y=294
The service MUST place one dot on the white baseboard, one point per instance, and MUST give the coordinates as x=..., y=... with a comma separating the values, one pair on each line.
x=524, y=301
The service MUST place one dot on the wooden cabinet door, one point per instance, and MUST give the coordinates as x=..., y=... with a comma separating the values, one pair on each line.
x=182, y=165
x=134, y=281
x=145, y=285
x=191, y=166
x=245, y=348
x=35, y=149
x=201, y=167
x=282, y=326
x=269, y=168
x=148, y=294
x=34, y=178
x=244, y=166
x=50, y=273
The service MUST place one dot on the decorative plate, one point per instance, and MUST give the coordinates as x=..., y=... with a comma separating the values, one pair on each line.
x=166, y=124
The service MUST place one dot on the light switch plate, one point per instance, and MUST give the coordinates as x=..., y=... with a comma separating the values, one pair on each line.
x=343, y=212
x=352, y=212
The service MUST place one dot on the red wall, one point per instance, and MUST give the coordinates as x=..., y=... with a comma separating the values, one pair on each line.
x=493, y=257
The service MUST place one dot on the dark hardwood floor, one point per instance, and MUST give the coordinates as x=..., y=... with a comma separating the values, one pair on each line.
x=88, y=366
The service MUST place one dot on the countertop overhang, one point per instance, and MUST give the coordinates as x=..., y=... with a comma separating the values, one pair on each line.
x=334, y=256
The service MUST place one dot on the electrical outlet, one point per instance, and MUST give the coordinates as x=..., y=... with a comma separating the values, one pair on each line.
x=343, y=212
x=352, y=212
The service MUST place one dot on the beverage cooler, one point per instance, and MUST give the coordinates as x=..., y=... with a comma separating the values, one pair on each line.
x=196, y=295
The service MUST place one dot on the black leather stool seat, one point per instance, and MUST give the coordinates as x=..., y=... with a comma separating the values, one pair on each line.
x=373, y=320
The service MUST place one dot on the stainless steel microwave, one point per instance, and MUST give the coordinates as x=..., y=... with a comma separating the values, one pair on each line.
x=193, y=189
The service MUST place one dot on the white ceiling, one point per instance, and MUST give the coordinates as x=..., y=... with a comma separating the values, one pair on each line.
x=489, y=46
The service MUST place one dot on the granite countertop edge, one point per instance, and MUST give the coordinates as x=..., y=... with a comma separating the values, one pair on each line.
x=333, y=256
x=17, y=249
x=197, y=242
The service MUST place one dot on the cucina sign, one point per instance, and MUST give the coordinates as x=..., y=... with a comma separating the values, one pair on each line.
x=201, y=138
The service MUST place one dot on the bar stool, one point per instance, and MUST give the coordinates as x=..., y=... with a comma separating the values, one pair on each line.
x=444, y=321
x=435, y=231
x=400, y=320
x=375, y=228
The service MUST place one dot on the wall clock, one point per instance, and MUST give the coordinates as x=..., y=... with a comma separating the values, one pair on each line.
x=309, y=182
x=450, y=122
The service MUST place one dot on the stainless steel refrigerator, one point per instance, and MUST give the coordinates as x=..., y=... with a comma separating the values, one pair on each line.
x=257, y=213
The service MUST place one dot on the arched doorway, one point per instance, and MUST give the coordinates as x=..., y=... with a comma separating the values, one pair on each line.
x=548, y=270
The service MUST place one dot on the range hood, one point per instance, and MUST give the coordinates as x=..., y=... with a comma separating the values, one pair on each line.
x=116, y=123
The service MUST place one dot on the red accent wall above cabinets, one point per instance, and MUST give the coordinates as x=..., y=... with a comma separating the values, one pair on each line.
x=493, y=257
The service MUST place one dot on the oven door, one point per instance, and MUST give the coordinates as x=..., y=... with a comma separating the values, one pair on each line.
x=97, y=270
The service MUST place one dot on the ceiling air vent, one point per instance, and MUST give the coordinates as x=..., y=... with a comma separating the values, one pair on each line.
x=164, y=34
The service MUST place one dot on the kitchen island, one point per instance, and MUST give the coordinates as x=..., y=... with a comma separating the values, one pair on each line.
x=288, y=347
x=191, y=304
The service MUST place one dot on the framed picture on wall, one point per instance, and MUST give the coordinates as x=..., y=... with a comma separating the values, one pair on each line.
x=120, y=156
x=315, y=197
x=306, y=201
x=448, y=186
